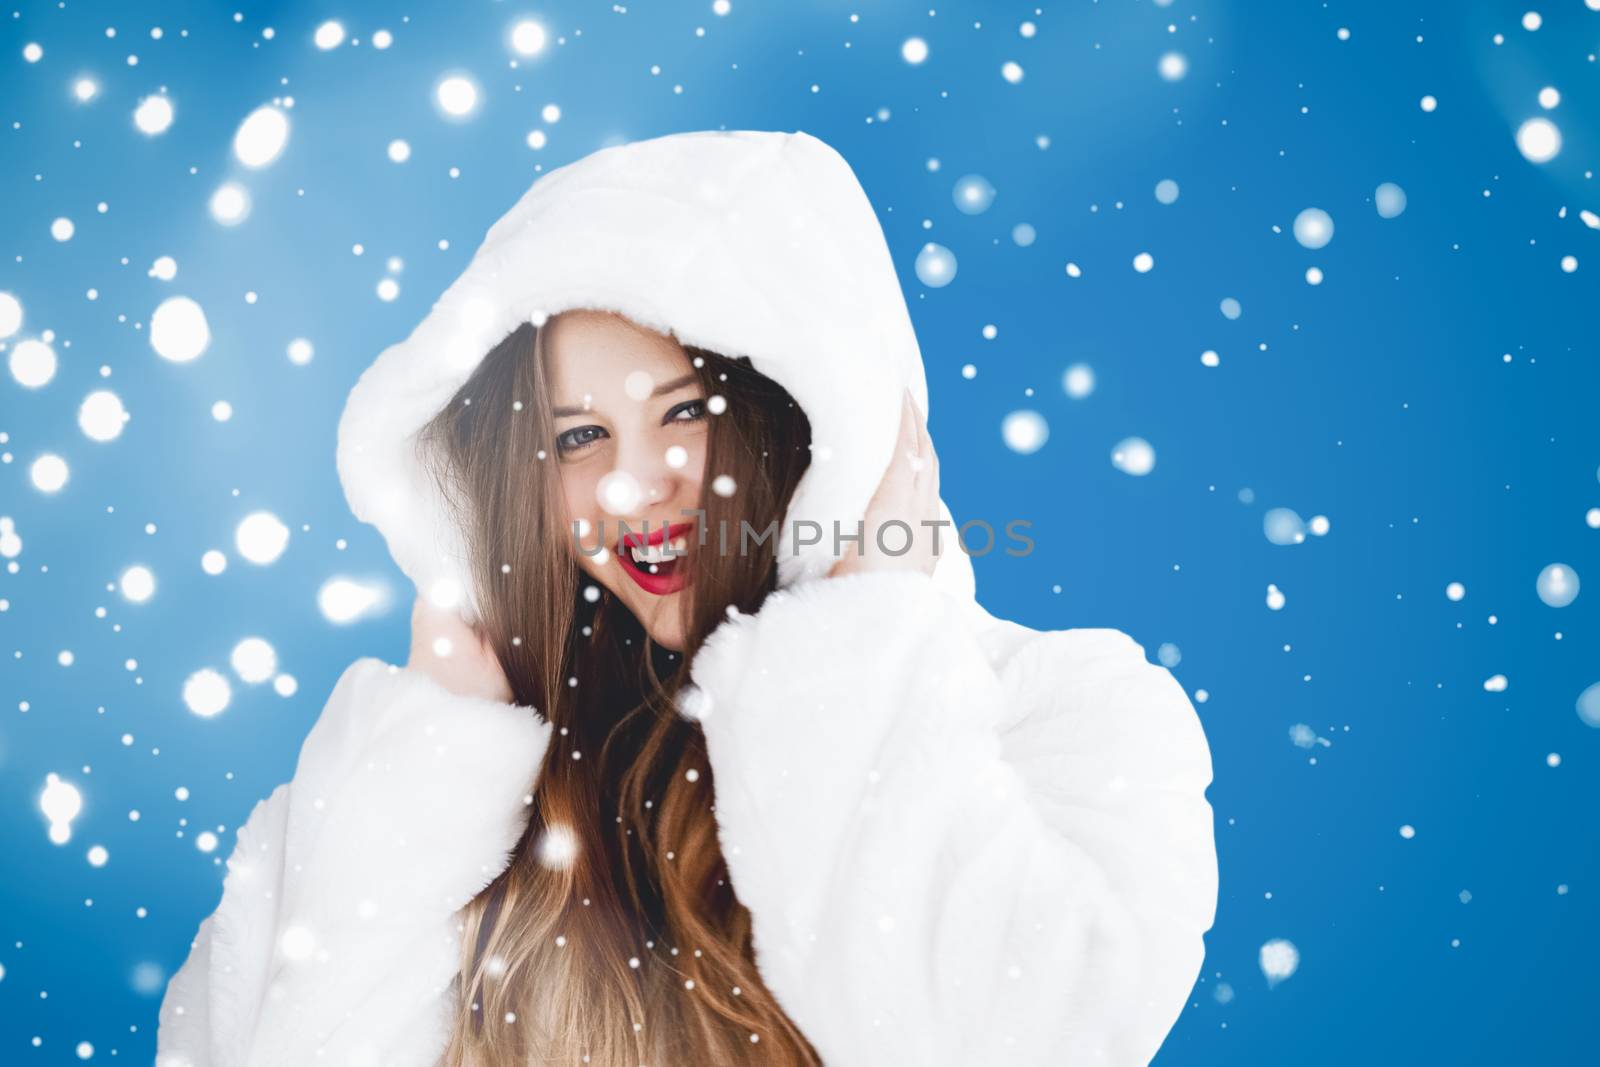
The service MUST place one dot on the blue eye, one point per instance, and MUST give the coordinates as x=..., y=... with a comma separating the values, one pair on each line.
x=688, y=411
x=578, y=438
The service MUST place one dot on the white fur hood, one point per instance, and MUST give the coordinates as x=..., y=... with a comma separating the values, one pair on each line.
x=961, y=841
x=746, y=242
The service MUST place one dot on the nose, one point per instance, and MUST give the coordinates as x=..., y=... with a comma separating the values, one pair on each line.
x=642, y=477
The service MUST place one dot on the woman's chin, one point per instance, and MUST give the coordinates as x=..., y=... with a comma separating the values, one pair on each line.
x=665, y=624
x=660, y=614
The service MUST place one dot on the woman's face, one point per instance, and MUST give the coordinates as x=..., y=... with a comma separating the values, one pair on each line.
x=630, y=426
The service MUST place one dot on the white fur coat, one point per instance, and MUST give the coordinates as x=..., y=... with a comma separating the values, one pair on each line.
x=961, y=841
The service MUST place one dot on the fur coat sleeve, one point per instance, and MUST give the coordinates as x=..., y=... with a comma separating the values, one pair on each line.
x=953, y=858
x=336, y=939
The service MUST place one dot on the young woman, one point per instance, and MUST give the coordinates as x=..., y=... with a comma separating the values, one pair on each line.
x=698, y=757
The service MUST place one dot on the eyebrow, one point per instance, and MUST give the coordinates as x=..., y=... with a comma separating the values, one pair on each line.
x=661, y=390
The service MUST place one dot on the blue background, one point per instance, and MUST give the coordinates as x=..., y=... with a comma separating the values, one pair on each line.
x=1381, y=399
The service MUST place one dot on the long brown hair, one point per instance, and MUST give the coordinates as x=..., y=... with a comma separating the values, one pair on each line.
x=614, y=937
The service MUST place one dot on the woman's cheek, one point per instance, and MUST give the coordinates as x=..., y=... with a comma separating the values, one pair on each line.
x=694, y=469
x=582, y=526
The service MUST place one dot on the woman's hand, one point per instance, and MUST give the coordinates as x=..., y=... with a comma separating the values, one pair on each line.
x=909, y=492
x=453, y=654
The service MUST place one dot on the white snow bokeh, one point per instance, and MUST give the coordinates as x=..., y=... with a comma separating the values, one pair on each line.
x=261, y=537
x=230, y=204
x=1390, y=200
x=178, y=330
x=345, y=600
x=206, y=693
x=49, y=473
x=297, y=943
x=261, y=138
x=254, y=660
x=1024, y=431
x=935, y=266
x=528, y=37
x=973, y=194
x=329, y=35
x=32, y=363
x=10, y=541
x=1539, y=140
x=1313, y=228
x=10, y=315
x=1279, y=959
x=153, y=115
x=1303, y=736
x=1283, y=527
x=618, y=493
x=138, y=584
x=101, y=416
x=1557, y=585
x=1078, y=381
x=1134, y=455
x=147, y=978
x=457, y=96
x=557, y=847
x=1589, y=706
x=61, y=803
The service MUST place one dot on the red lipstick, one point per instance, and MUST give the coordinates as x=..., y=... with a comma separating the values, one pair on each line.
x=667, y=576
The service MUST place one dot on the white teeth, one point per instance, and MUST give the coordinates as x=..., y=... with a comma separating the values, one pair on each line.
x=658, y=553
x=680, y=544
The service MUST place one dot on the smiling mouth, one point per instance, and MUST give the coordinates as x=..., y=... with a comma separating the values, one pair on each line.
x=657, y=563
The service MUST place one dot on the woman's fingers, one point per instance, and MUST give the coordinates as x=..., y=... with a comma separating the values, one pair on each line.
x=908, y=493
x=908, y=460
x=927, y=496
x=928, y=466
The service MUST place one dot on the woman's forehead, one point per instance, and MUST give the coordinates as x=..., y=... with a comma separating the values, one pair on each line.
x=597, y=351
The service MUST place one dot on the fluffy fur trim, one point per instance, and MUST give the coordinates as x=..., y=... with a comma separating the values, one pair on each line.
x=952, y=856
x=337, y=932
